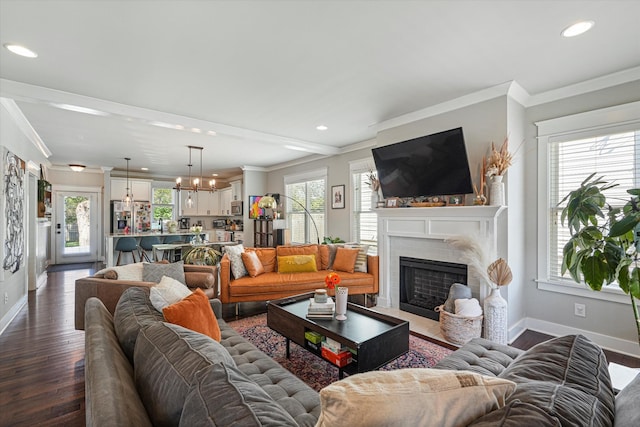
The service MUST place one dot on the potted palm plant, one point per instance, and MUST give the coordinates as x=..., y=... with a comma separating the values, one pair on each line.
x=202, y=255
x=605, y=240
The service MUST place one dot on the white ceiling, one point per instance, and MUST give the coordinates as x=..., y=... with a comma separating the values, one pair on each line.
x=264, y=74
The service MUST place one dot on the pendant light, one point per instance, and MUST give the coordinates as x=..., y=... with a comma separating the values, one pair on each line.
x=189, y=202
x=127, y=200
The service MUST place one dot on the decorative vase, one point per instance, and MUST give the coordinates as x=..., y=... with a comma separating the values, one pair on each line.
x=196, y=240
x=495, y=317
x=374, y=199
x=173, y=228
x=341, y=302
x=496, y=191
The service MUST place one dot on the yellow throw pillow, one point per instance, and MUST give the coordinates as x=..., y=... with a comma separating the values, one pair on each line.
x=345, y=259
x=418, y=397
x=194, y=312
x=252, y=263
x=297, y=264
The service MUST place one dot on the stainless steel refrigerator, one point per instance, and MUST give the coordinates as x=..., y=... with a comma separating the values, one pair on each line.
x=137, y=219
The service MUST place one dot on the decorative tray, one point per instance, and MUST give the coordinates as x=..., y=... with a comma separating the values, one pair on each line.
x=426, y=204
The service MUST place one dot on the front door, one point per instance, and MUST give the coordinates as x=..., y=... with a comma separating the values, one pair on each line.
x=76, y=227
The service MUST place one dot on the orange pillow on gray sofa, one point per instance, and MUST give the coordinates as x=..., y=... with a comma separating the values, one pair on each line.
x=194, y=312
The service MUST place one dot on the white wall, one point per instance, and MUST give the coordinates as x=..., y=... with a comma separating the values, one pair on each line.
x=15, y=285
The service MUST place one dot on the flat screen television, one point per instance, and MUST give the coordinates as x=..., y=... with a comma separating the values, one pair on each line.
x=431, y=165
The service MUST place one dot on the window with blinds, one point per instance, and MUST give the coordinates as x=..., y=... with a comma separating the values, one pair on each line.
x=614, y=156
x=365, y=221
x=311, y=195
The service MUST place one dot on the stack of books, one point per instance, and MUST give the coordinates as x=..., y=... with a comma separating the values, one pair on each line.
x=322, y=310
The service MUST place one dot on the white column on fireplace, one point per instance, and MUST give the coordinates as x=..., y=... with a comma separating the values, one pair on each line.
x=420, y=233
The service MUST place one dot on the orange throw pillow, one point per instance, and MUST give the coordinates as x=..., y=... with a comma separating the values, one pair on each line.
x=194, y=312
x=345, y=259
x=252, y=263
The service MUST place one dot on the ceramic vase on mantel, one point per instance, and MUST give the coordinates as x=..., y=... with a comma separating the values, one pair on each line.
x=342, y=293
x=496, y=191
x=495, y=317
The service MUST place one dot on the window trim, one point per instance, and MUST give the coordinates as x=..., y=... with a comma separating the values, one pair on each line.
x=613, y=119
x=357, y=167
x=321, y=173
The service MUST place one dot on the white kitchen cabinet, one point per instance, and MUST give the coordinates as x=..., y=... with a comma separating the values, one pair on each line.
x=225, y=201
x=208, y=203
x=236, y=190
x=141, y=189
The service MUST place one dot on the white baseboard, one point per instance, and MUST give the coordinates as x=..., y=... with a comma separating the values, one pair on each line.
x=7, y=318
x=631, y=348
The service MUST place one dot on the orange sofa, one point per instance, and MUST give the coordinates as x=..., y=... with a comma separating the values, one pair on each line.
x=272, y=284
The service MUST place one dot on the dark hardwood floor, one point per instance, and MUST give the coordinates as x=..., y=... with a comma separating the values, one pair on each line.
x=42, y=355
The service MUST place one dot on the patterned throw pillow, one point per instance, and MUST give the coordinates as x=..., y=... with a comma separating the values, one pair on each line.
x=154, y=272
x=297, y=264
x=361, y=260
x=235, y=258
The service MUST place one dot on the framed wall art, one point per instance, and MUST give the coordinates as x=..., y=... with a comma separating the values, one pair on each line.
x=337, y=197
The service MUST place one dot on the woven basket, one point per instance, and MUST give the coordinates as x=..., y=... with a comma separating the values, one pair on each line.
x=459, y=329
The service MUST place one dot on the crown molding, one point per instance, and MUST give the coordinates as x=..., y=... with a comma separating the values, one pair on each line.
x=25, y=127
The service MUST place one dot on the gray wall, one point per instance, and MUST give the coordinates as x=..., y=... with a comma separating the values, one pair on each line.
x=603, y=317
x=15, y=285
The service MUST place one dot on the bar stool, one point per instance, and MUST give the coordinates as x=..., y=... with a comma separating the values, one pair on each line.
x=126, y=244
x=146, y=244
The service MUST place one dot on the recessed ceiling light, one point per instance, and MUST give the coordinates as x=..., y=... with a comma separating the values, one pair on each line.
x=211, y=133
x=77, y=167
x=321, y=127
x=214, y=174
x=21, y=50
x=577, y=28
x=144, y=169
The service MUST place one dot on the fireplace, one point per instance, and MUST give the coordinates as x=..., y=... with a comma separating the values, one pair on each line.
x=424, y=284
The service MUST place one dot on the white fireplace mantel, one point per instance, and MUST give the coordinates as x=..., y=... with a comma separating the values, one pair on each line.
x=420, y=233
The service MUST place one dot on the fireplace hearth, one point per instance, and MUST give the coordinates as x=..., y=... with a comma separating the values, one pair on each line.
x=424, y=284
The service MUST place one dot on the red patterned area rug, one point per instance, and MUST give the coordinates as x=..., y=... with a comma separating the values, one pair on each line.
x=317, y=372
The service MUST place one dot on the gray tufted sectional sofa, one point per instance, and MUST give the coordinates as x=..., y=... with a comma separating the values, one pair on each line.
x=141, y=371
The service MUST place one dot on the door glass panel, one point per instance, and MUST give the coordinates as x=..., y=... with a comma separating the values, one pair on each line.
x=77, y=225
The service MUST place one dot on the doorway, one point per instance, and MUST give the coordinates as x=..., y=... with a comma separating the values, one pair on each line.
x=76, y=227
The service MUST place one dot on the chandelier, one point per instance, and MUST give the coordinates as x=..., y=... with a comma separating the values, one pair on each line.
x=195, y=185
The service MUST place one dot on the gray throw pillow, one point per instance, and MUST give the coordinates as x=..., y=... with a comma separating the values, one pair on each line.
x=627, y=412
x=154, y=272
x=221, y=395
x=165, y=358
x=568, y=378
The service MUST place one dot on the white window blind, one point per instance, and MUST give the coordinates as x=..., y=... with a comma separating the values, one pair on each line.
x=614, y=155
x=365, y=221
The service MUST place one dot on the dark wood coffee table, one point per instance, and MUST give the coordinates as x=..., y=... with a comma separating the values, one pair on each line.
x=377, y=338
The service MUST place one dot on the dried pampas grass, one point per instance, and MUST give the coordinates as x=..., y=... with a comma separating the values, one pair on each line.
x=475, y=253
